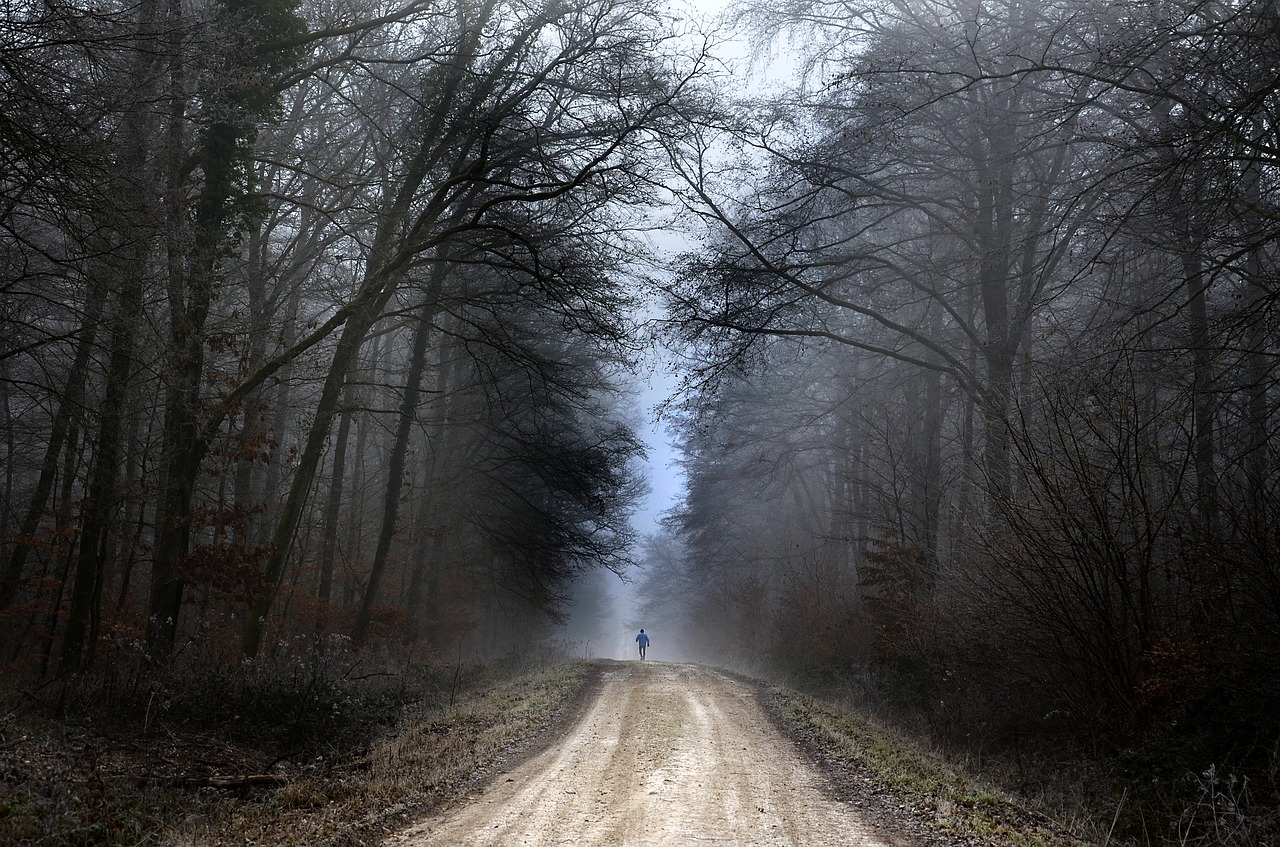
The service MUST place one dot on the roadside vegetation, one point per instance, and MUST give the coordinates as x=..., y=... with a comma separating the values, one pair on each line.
x=335, y=749
x=944, y=793
x=330, y=751
x=864, y=756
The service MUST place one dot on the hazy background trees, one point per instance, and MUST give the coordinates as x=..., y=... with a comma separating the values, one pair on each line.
x=984, y=324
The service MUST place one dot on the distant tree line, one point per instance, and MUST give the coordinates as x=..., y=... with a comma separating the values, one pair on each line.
x=315, y=317
x=984, y=418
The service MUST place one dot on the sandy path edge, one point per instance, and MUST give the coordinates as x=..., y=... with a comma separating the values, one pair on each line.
x=561, y=721
x=665, y=754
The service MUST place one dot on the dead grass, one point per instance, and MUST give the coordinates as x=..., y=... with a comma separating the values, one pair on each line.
x=867, y=759
x=365, y=761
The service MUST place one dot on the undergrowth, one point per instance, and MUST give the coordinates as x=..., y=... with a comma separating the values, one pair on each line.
x=940, y=797
x=304, y=750
x=1167, y=792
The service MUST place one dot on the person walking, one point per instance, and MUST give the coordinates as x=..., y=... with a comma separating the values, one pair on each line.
x=643, y=640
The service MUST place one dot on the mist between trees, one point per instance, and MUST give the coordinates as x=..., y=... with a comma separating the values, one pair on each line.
x=316, y=317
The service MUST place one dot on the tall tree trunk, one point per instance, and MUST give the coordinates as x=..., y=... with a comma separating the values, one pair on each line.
x=357, y=505
x=846, y=473
x=333, y=507
x=258, y=477
x=251, y=435
x=84, y=615
x=126, y=267
x=173, y=503
x=231, y=118
x=395, y=471
x=424, y=565
x=971, y=469
x=1202, y=393
x=993, y=231
x=1258, y=411
x=10, y=454
x=421, y=601
x=62, y=423
x=354, y=333
x=62, y=522
x=184, y=452
x=131, y=546
x=387, y=257
x=281, y=402
x=927, y=480
x=184, y=443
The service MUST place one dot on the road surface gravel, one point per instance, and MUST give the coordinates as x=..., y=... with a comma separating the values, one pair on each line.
x=667, y=754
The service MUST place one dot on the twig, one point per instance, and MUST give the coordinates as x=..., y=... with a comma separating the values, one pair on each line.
x=1116, y=819
x=245, y=781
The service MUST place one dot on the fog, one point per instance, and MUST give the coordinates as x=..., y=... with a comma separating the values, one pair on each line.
x=960, y=317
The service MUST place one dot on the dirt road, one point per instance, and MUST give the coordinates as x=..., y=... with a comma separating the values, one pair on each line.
x=667, y=755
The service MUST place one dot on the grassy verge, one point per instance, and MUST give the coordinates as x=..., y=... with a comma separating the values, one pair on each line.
x=381, y=761
x=868, y=761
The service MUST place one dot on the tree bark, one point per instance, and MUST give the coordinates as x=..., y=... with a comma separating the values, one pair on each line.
x=84, y=615
x=127, y=269
x=421, y=600
x=395, y=471
x=281, y=402
x=251, y=435
x=994, y=222
x=353, y=336
x=173, y=503
x=387, y=257
x=333, y=508
x=1203, y=411
x=60, y=426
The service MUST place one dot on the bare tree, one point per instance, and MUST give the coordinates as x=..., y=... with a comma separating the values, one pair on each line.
x=1032, y=242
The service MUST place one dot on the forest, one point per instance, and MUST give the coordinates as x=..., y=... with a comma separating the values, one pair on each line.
x=979, y=413
x=322, y=320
